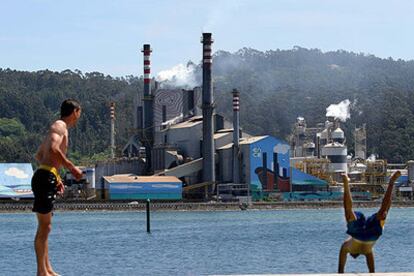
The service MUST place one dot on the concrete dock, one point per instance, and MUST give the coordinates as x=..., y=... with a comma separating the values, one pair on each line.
x=25, y=205
x=331, y=274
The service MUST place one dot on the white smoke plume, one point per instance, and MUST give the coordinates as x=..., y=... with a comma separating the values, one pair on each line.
x=180, y=76
x=371, y=158
x=174, y=120
x=340, y=111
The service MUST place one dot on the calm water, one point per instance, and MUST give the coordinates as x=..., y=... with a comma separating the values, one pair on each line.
x=200, y=243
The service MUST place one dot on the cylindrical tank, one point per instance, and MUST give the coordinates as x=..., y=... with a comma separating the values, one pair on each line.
x=309, y=149
x=337, y=154
x=90, y=176
x=338, y=135
x=324, y=135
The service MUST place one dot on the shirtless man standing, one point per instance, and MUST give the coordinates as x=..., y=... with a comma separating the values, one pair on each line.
x=363, y=232
x=46, y=181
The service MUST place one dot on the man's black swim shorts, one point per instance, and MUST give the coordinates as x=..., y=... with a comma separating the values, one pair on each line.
x=44, y=187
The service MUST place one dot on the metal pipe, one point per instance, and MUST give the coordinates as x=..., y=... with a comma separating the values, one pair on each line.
x=148, y=216
x=236, y=136
x=148, y=132
x=264, y=165
x=208, y=109
x=318, y=145
x=275, y=171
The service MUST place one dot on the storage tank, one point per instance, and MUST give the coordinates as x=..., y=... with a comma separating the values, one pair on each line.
x=90, y=176
x=300, y=126
x=324, y=135
x=336, y=153
x=338, y=135
x=309, y=149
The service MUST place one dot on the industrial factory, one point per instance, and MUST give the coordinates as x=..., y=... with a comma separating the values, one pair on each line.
x=322, y=151
x=183, y=149
x=182, y=136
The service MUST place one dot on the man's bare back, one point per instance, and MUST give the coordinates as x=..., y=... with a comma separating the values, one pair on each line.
x=57, y=136
x=52, y=151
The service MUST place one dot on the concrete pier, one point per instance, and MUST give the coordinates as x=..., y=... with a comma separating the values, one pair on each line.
x=96, y=205
x=332, y=274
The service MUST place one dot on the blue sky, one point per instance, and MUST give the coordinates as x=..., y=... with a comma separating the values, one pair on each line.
x=107, y=36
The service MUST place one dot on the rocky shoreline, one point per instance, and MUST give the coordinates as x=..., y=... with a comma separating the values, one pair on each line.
x=62, y=206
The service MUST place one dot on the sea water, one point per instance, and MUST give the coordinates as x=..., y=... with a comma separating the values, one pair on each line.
x=201, y=243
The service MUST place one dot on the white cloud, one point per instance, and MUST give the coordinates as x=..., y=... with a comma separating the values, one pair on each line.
x=281, y=148
x=16, y=173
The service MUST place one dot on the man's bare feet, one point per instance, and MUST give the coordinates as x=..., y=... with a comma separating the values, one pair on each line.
x=53, y=273
x=44, y=274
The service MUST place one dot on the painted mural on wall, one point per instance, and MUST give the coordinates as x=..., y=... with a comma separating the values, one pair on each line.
x=269, y=165
x=15, y=180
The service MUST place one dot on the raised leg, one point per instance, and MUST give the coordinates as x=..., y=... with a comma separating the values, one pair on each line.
x=386, y=202
x=349, y=213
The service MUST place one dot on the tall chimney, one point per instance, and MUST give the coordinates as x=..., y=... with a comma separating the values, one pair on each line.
x=236, y=136
x=148, y=132
x=208, y=109
x=112, y=130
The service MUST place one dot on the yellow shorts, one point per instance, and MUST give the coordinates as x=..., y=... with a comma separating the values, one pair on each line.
x=357, y=247
x=52, y=170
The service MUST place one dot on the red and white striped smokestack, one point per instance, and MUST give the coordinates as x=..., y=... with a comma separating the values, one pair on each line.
x=112, y=111
x=148, y=132
x=236, y=100
x=112, y=130
x=236, y=136
x=147, y=63
x=209, y=174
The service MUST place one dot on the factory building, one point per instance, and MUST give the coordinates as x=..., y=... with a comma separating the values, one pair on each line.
x=327, y=142
x=207, y=152
x=264, y=165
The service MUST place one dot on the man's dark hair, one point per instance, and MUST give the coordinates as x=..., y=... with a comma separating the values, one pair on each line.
x=68, y=106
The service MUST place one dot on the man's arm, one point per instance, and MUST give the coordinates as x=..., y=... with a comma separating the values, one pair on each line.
x=386, y=202
x=370, y=262
x=342, y=258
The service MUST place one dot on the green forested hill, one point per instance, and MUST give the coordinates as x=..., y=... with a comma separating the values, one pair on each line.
x=30, y=101
x=276, y=87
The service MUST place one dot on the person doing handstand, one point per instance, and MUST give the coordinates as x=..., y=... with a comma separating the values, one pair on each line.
x=363, y=232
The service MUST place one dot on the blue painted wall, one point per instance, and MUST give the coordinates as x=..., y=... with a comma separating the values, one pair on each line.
x=147, y=190
x=267, y=145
